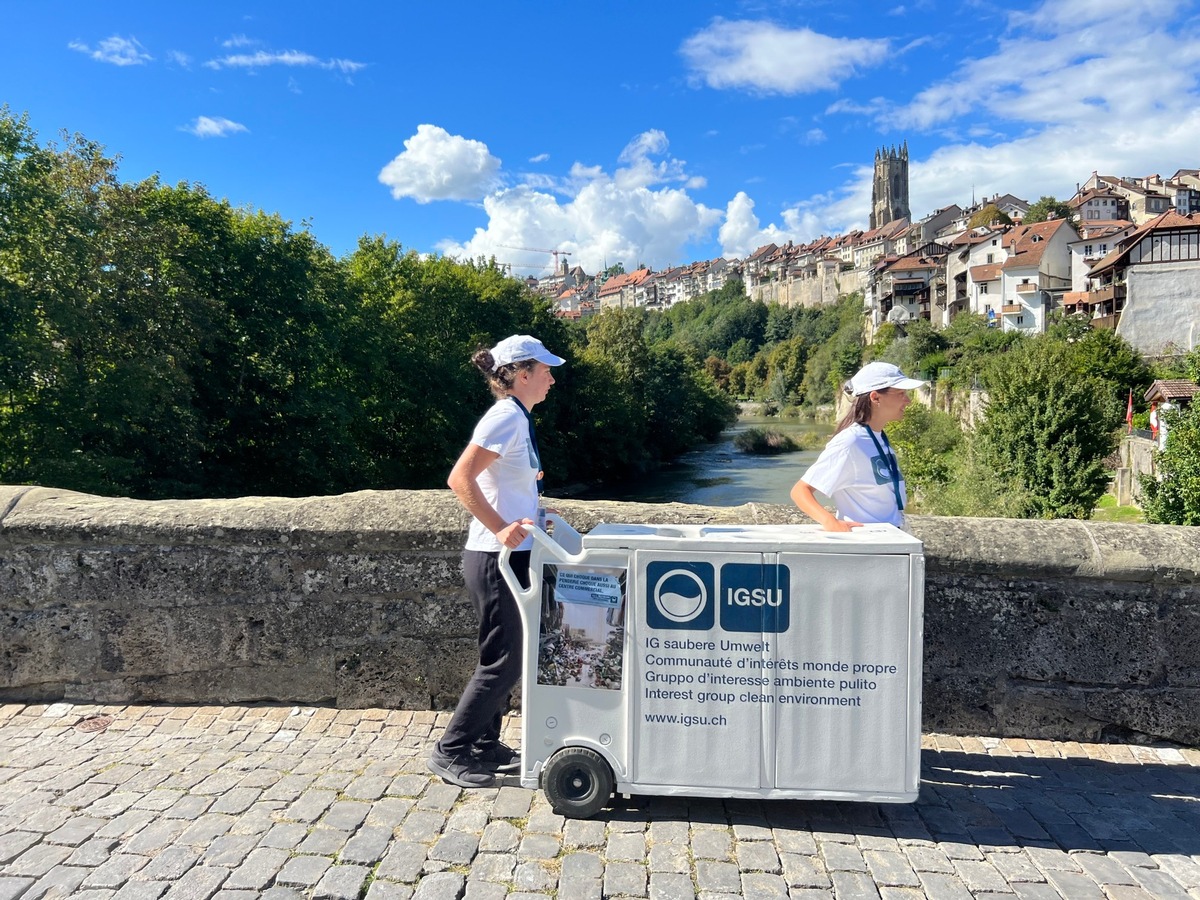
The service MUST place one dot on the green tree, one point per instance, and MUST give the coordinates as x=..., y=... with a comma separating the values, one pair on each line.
x=785, y=368
x=1105, y=355
x=719, y=371
x=1068, y=326
x=1046, y=429
x=925, y=441
x=1172, y=495
x=1048, y=208
x=739, y=351
x=989, y=216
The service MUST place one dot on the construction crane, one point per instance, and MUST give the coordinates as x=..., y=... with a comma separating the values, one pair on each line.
x=555, y=253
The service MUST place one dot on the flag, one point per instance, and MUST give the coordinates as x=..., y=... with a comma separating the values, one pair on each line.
x=1129, y=413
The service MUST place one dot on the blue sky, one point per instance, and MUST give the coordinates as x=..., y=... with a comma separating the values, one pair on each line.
x=615, y=131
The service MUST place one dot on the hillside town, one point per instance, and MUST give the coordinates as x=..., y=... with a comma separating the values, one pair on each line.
x=1127, y=257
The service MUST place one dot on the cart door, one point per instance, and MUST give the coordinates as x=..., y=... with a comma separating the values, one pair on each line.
x=848, y=676
x=697, y=677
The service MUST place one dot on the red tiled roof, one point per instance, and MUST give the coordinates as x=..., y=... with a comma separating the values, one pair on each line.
x=913, y=263
x=989, y=272
x=1031, y=242
x=1094, y=228
x=1173, y=389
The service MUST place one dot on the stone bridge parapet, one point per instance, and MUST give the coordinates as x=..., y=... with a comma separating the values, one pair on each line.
x=1059, y=630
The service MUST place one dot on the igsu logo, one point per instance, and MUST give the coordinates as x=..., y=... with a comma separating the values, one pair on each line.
x=755, y=598
x=681, y=595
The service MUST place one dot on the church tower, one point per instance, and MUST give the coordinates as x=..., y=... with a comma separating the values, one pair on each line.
x=889, y=190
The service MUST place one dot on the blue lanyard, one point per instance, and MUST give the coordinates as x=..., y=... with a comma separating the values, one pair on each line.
x=537, y=456
x=890, y=458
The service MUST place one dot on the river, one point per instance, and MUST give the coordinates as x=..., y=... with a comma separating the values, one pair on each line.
x=718, y=474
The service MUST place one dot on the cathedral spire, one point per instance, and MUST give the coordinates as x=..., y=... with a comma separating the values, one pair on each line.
x=889, y=187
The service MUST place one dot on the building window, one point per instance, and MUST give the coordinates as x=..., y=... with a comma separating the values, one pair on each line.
x=1087, y=250
x=1021, y=319
x=991, y=257
x=983, y=288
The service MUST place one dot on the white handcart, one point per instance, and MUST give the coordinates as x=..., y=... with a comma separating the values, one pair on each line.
x=777, y=661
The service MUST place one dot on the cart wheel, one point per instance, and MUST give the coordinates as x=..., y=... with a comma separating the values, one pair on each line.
x=578, y=782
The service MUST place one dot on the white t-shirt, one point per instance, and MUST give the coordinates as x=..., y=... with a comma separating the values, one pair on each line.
x=853, y=474
x=510, y=483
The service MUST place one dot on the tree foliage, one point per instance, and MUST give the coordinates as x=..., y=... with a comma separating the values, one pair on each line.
x=925, y=440
x=1047, y=429
x=988, y=216
x=1172, y=495
x=156, y=342
x=1047, y=208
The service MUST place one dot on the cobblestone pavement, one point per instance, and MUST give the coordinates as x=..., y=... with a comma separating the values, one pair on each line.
x=280, y=802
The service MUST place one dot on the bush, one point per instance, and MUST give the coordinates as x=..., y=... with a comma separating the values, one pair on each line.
x=765, y=442
x=1173, y=497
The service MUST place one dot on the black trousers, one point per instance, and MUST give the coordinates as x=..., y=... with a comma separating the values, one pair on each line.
x=484, y=700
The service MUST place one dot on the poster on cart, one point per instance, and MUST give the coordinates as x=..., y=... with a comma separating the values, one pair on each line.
x=582, y=637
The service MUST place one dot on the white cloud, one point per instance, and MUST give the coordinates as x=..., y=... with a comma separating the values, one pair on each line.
x=213, y=126
x=638, y=213
x=1062, y=63
x=238, y=40
x=180, y=59
x=437, y=165
x=540, y=158
x=1072, y=86
x=116, y=50
x=742, y=232
x=262, y=58
x=763, y=57
x=1049, y=162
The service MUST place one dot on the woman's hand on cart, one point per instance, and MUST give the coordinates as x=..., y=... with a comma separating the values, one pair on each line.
x=513, y=533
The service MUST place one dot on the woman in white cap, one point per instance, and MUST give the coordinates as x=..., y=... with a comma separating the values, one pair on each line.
x=858, y=469
x=497, y=479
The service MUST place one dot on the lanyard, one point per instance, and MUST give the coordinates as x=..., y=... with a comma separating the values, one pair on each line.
x=890, y=458
x=537, y=456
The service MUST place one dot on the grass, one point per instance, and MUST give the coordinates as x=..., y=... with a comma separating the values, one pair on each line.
x=1108, y=511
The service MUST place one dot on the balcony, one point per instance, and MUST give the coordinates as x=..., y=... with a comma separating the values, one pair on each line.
x=1108, y=293
x=1012, y=308
x=1027, y=288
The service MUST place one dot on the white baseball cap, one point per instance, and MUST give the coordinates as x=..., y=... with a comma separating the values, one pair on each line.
x=520, y=347
x=878, y=376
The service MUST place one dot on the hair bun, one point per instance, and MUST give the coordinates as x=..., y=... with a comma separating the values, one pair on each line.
x=483, y=361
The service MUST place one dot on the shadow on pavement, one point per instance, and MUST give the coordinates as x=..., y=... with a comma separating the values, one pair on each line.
x=979, y=799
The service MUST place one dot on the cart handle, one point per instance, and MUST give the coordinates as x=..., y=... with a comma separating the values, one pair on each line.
x=555, y=549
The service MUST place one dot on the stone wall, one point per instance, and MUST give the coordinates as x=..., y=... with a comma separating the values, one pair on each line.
x=1066, y=630
x=1136, y=455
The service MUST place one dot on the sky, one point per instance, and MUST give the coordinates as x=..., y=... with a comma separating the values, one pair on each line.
x=642, y=133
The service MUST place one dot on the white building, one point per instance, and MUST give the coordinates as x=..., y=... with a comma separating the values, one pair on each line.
x=1035, y=274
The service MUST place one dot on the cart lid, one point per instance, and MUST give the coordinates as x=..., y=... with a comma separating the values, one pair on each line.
x=869, y=539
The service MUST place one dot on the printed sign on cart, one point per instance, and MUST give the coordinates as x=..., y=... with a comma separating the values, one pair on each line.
x=582, y=637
